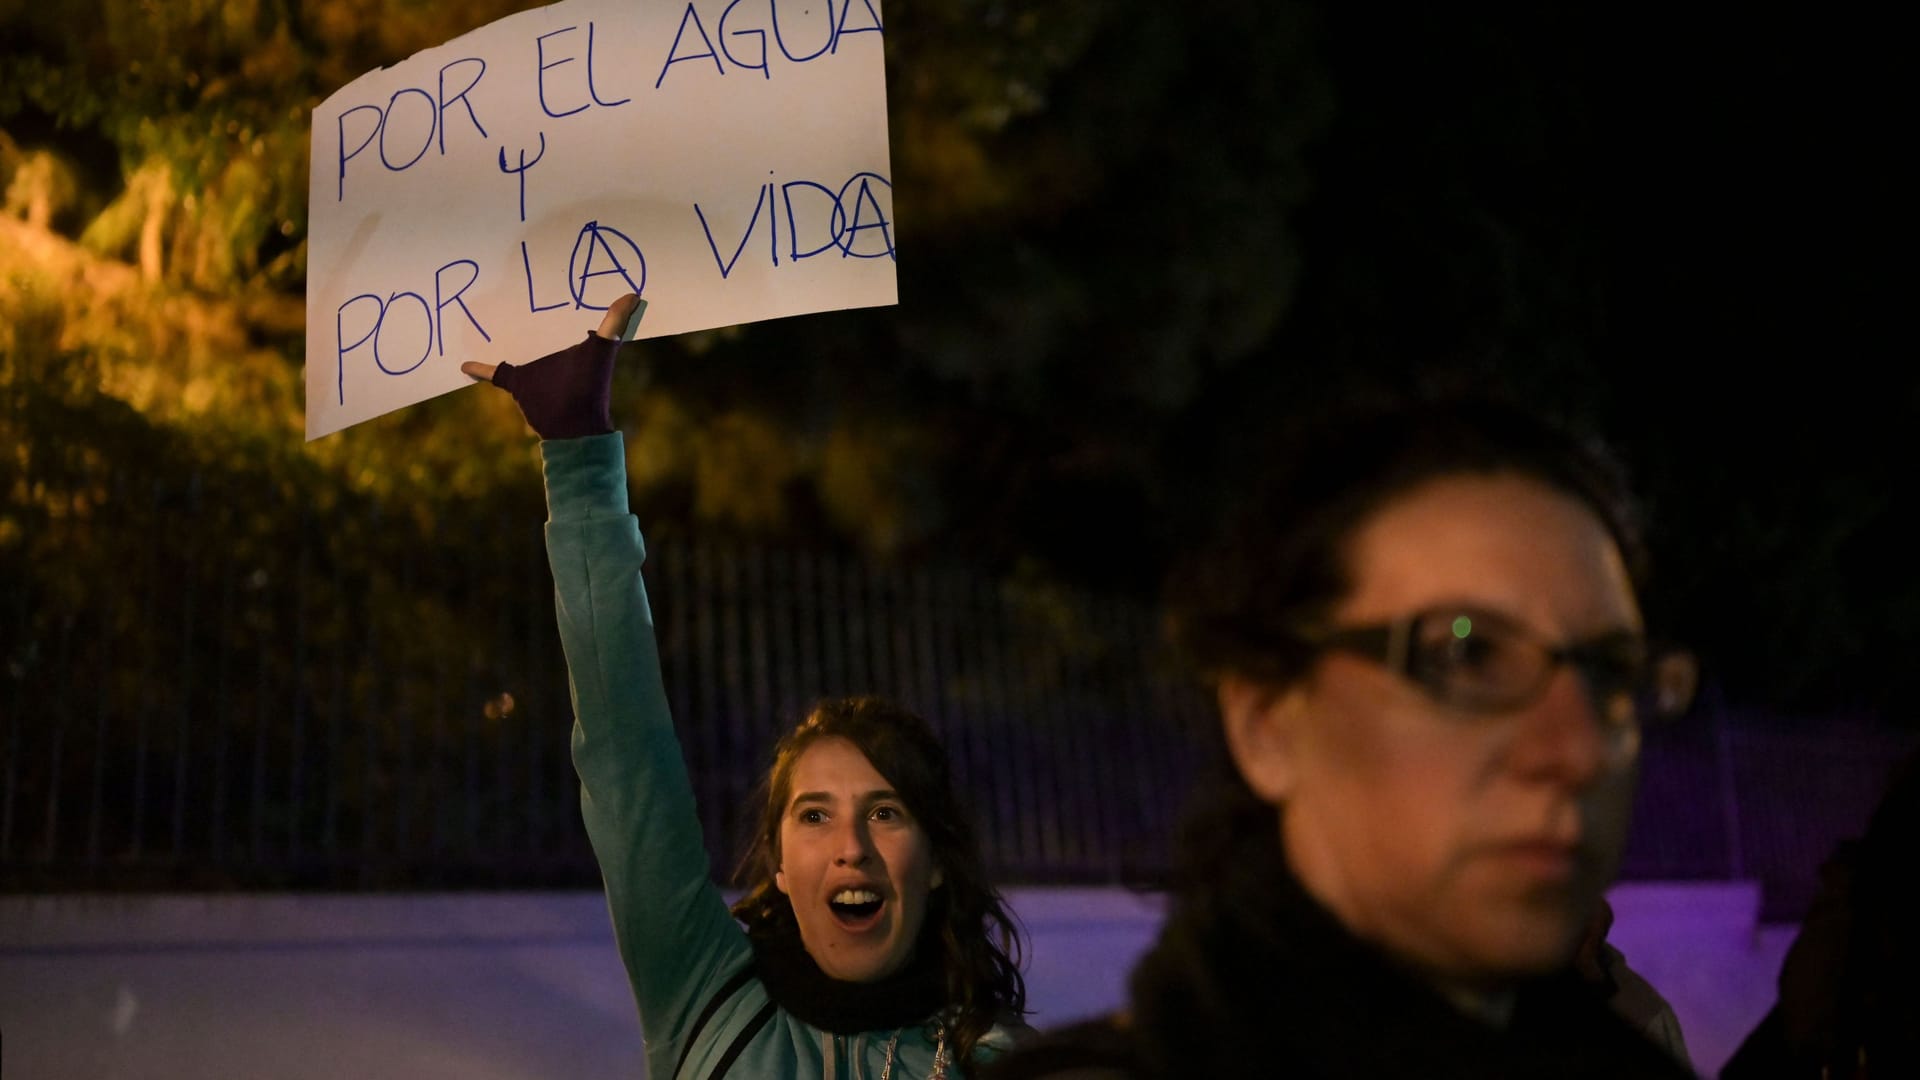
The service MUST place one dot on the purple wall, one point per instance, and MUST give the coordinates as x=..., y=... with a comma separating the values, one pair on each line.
x=528, y=985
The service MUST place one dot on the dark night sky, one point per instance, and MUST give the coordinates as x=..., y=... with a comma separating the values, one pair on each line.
x=1679, y=228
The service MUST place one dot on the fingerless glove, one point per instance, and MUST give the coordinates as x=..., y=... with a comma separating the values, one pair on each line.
x=567, y=394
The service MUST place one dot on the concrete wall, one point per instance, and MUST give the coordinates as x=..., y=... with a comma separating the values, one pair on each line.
x=484, y=986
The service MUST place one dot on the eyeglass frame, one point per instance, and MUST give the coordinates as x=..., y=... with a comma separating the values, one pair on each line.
x=1390, y=644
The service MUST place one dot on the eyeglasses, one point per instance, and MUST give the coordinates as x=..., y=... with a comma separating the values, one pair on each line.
x=1483, y=661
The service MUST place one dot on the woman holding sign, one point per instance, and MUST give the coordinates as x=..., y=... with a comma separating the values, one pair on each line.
x=873, y=944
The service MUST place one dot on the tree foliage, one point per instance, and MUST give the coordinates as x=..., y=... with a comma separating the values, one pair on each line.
x=1134, y=234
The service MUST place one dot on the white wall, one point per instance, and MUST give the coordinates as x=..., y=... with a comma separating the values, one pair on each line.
x=489, y=986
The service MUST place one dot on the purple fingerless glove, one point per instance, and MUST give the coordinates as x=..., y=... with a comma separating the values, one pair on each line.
x=567, y=394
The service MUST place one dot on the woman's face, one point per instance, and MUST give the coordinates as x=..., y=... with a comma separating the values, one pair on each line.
x=856, y=866
x=1474, y=843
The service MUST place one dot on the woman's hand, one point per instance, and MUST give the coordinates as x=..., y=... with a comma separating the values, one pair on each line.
x=569, y=394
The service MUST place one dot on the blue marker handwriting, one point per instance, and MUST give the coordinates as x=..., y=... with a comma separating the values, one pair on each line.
x=850, y=220
x=808, y=30
x=412, y=318
x=411, y=122
x=399, y=321
x=593, y=91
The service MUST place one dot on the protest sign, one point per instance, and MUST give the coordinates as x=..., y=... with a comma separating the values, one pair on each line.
x=486, y=199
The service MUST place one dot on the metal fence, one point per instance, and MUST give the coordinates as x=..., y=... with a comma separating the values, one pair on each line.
x=275, y=715
x=1750, y=794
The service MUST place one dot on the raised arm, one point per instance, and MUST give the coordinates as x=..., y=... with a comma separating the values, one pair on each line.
x=675, y=934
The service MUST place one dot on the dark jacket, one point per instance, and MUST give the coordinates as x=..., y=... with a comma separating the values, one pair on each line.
x=1252, y=977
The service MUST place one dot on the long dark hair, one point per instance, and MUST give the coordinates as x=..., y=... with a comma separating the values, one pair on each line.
x=980, y=945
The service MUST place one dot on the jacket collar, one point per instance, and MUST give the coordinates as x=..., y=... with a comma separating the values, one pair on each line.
x=911, y=996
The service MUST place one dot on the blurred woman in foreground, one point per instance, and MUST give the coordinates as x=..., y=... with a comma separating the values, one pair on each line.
x=1424, y=635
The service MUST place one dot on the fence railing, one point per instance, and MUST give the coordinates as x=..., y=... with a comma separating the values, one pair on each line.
x=1748, y=794
x=275, y=715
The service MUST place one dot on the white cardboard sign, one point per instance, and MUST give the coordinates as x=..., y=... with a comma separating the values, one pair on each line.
x=488, y=198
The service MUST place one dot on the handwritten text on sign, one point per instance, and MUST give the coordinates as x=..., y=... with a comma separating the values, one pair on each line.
x=488, y=198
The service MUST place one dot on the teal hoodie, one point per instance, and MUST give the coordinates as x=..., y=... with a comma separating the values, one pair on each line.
x=702, y=1013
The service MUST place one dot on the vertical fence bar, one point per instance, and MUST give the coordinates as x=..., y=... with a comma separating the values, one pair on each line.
x=1045, y=794
x=1000, y=809
x=733, y=684
x=16, y=749
x=806, y=615
x=1031, y=741
x=1111, y=743
x=1159, y=802
x=832, y=623
x=437, y=795
x=787, y=694
x=147, y=690
x=51, y=836
x=498, y=693
x=1017, y=780
x=1729, y=790
x=755, y=607
x=914, y=644
x=1020, y=820
x=871, y=605
x=892, y=641
x=476, y=729
x=183, y=738
x=297, y=683
x=262, y=693
x=336, y=755
x=943, y=625
x=29, y=664
x=1072, y=809
x=1180, y=711
x=917, y=627
x=1132, y=788
x=96, y=802
x=406, y=700
x=102, y=709
x=336, y=752
x=880, y=643
x=853, y=606
x=984, y=713
x=1074, y=717
x=222, y=716
x=368, y=717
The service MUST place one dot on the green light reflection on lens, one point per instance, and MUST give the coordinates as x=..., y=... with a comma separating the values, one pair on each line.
x=1462, y=626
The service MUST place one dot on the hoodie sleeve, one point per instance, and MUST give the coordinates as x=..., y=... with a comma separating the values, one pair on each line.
x=677, y=938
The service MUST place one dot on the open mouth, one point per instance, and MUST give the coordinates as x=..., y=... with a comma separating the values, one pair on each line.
x=856, y=909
